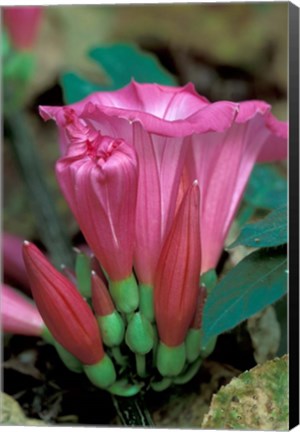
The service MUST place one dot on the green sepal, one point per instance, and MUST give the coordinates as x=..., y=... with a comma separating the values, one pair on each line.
x=83, y=274
x=208, y=349
x=189, y=373
x=19, y=66
x=125, y=294
x=170, y=361
x=146, y=301
x=123, y=388
x=101, y=374
x=162, y=385
x=112, y=328
x=139, y=334
x=68, y=359
x=193, y=344
x=209, y=280
x=47, y=336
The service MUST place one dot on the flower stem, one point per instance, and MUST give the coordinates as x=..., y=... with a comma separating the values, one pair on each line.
x=120, y=359
x=132, y=411
x=140, y=361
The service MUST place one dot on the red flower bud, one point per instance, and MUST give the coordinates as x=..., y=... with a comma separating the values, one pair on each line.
x=65, y=312
x=177, y=274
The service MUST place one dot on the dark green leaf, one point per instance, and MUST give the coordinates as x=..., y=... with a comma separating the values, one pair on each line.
x=267, y=188
x=270, y=231
x=121, y=63
x=256, y=282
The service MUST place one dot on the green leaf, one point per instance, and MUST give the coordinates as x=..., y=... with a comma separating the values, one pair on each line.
x=266, y=188
x=270, y=231
x=76, y=88
x=121, y=63
x=256, y=282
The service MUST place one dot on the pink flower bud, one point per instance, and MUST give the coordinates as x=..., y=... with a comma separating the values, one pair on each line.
x=13, y=263
x=22, y=24
x=102, y=302
x=99, y=182
x=19, y=315
x=66, y=314
x=177, y=274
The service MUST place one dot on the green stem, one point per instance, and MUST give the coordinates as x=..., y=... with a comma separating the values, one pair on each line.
x=140, y=361
x=132, y=411
x=120, y=359
x=51, y=230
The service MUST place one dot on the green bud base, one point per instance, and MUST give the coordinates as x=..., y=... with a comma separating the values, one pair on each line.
x=125, y=294
x=112, y=329
x=146, y=301
x=101, y=374
x=139, y=335
x=193, y=344
x=170, y=360
x=68, y=359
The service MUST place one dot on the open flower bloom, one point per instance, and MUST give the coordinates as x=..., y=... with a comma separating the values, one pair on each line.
x=22, y=24
x=19, y=315
x=222, y=163
x=159, y=122
x=174, y=130
x=65, y=312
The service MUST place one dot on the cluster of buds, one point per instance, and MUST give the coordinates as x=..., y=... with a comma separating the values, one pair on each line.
x=154, y=176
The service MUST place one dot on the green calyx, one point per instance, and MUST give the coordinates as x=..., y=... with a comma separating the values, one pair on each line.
x=162, y=385
x=170, y=361
x=112, y=328
x=146, y=301
x=208, y=349
x=101, y=374
x=193, y=344
x=209, y=280
x=189, y=373
x=139, y=334
x=123, y=388
x=68, y=359
x=125, y=294
x=83, y=274
x=47, y=336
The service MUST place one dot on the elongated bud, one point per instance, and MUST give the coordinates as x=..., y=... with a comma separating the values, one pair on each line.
x=139, y=334
x=177, y=274
x=64, y=311
x=19, y=314
x=22, y=24
x=13, y=263
x=110, y=321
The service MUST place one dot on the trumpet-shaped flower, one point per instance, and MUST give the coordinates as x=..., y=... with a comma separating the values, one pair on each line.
x=66, y=314
x=22, y=24
x=159, y=121
x=18, y=314
x=222, y=163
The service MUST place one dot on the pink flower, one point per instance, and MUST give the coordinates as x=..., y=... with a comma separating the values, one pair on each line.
x=22, y=24
x=66, y=314
x=98, y=177
x=18, y=314
x=177, y=275
x=178, y=136
x=222, y=163
x=13, y=263
x=159, y=121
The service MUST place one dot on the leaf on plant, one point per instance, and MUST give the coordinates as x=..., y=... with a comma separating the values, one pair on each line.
x=270, y=231
x=266, y=188
x=256, y=400
x=256, y=282
x=121, y=63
